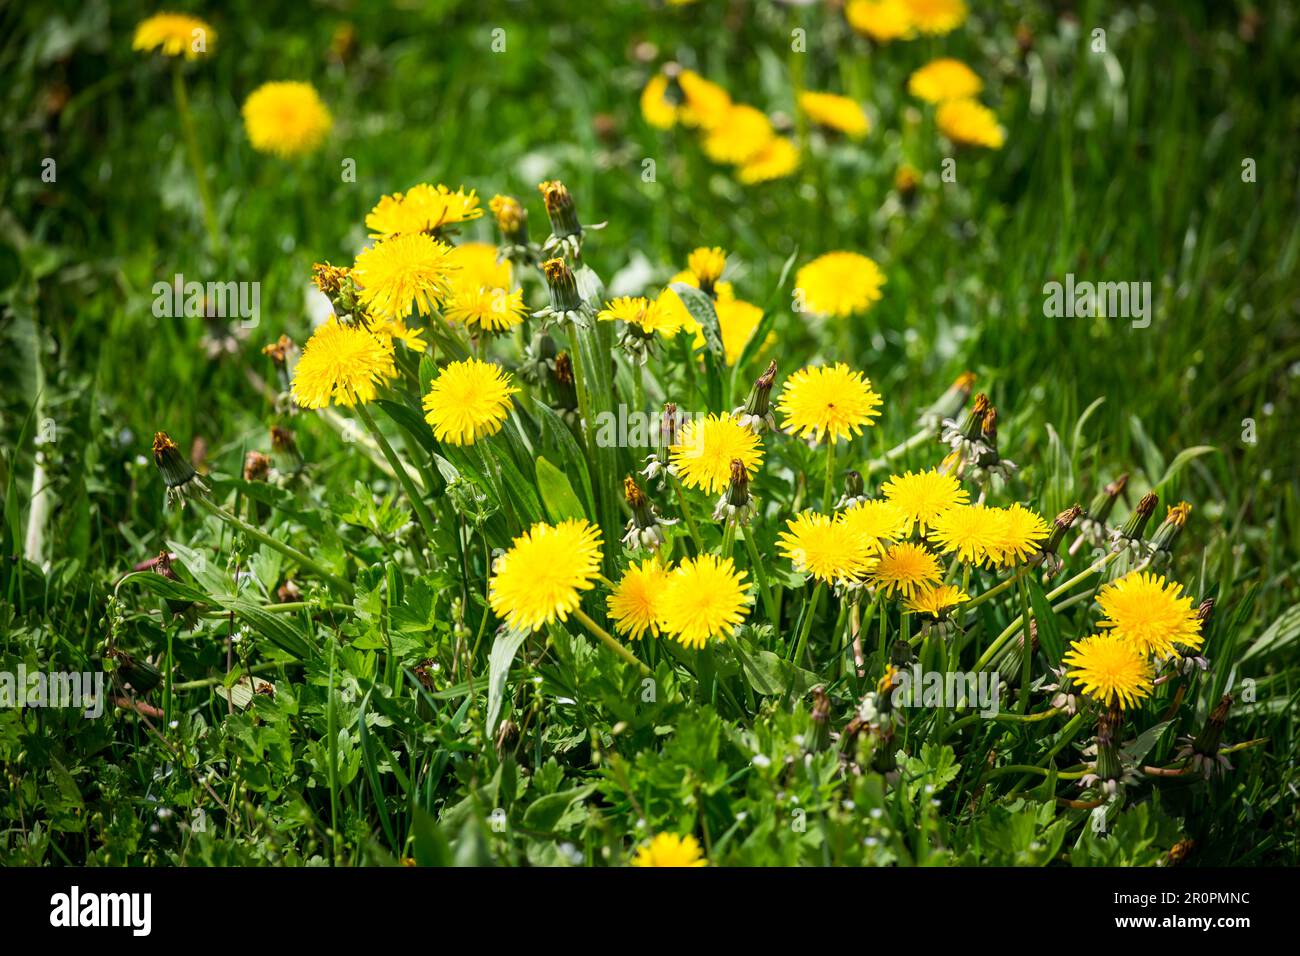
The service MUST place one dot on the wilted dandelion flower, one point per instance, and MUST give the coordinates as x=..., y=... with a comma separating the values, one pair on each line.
x=905, y=568
x=972, y=532
x=705, y=599
x=401, y=273
x=832, y=402
x=878, y=521
x=738, y=136
x=880, y=20
x=835, y=112
x=422, y=208
x=668, y=849
x=542, y=576
x=1110, y=670
x=936, y=17
x=968, y=123
x=341, y=363
x=937, y=600
x=634, y=604
x=778, y=159
x=925, y=495
x=174, y=34
x=825, y=547
x=706, y=447
x=944, y=79
x=840, y=284
x=1021, y=533
x=705, y=101
x=1150, y=614
x=287, y=119
x=468, y=400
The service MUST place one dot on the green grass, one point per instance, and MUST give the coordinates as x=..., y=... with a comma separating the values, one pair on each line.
x=1124, y=165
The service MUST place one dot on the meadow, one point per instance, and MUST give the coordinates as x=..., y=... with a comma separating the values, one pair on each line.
x=334, y=435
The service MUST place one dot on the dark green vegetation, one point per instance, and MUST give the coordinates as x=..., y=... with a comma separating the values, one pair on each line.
x=1123, y=166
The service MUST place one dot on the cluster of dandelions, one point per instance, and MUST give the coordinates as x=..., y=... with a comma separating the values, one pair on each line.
x=910, y=552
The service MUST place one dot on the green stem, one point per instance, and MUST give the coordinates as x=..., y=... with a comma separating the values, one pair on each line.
x=608, y=640
x=830, y=477
x=686, y=515
x=728, y=538
x=809, y=612
x=404, y=477
x=275, y=544
x=196, y=157
x=760, y=573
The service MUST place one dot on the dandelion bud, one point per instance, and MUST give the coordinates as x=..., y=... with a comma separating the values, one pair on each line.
x=335, y=282
x=178, y=475
x=1205, y=614
x=706, y=265
x=1167, y=534
x=906, y=179
x=1203, y=749
x=756, y=413
x=279, y=350
x=1010, y=665
x=564, y=386
x=566, y=302
x=141, y=675
x=162, y=566
x=566, y=231
x=1104, y=503
x=1108, y=769
x=1048, y=557
x=256, y=466
x=950, y=403
x=736, y=503
x=1129, y=537
x=285, y=449
x=854, y=486
x=661, y=458
x=511, y=217
x=645, y=529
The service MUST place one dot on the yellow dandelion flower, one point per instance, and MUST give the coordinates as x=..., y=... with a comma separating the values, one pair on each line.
x=341, y=363
x=474, y=265
x=287, y=119
x=649, y=317
x=542, y=576
x=397, y=330
x=705, y=102
x=706, y=447
x=422, y=208
x=825, y=547
x=878, y=522
x=705, y=599
x=668, y=849
x=924, y=496
x=936, y=601
x=840, y=284
x=402, y=273
x=489, y=310
x=737, y=320
x=880, y=20
x=174, y=34
x=905, y=567
x=968, y=123
x=778, y=159
x=738, y=136
x=706, y=264
x=1150, y=614
x=835, y=112
x=634, y=604
x=936, y=17
x=972, y=532
x=944, y=79
x=1109, y=669
x=656, y=108
x=509, y=214
x=468, y=400
x=1020, y=534
x=828, y=401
